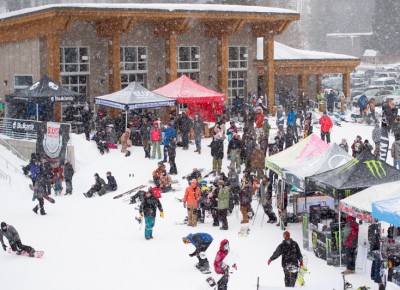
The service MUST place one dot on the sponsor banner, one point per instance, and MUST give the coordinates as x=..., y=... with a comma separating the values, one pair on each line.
x=52, y=139
x=23, y=126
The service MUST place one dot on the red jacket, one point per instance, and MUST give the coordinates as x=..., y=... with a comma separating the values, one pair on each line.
x=326, y=124
x=352, y=239
x=259, y=120
x=57, y=172
x=219, y=265
x=155, y=135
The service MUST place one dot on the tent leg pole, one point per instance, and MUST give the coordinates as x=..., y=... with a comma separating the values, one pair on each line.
x=340, y=239
x=37, y=112
x=126, y=119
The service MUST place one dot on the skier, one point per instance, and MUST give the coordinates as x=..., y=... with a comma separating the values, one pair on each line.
x=14, y=240
x=190, y=200
x=68, y=174
x=148, y=209
x=39, y=192
x=291, y=258
x=201, y=241
x=220, y=267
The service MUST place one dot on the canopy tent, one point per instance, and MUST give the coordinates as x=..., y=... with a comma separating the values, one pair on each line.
x=43, y=92
x=388, y=210
x=360, y=204
x=359, y=173
x=310, y=146
x=199, y=99
x=296, y=172
x=133, y=97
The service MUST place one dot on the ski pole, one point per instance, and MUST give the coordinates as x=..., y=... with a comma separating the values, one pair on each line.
x=262, y=221
x=256, y=213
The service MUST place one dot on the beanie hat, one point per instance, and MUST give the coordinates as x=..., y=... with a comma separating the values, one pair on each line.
x=96, y=174
x=185, y=239
x=286, y=234
x=3, y=224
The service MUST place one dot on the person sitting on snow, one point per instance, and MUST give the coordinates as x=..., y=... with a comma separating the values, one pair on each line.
x=165, y=182
x=100, y=187
x=111, y=182
x=158, y=173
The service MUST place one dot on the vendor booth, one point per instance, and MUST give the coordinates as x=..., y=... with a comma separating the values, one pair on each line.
x=37, y=100
x=199, y=99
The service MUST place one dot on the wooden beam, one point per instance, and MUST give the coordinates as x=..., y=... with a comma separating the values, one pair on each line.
x=177, y=26
x=216, y=27
x=170, y=57
x=114, y=62
x=222, y=63
x=53, y=67
x=265, y=28
x=269, y=72
x=110, y=26
x=302, y=84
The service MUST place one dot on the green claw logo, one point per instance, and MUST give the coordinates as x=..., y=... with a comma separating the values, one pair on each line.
x=376, y=168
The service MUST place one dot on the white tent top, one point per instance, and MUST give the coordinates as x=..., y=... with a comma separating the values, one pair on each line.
x=370, y=52
x=157, y=7
x=359, y=204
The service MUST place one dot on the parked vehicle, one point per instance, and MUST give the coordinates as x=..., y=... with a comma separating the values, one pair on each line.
x=394, y=97
x=382, y=82
x=377, y=94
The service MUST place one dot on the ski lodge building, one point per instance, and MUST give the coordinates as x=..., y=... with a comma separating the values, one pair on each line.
x=96, y=49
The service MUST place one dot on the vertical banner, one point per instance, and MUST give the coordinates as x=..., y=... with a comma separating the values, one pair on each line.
x=384, y=144
x=52, y=139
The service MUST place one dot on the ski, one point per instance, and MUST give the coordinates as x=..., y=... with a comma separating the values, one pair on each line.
x=129, y=191
x=174, y=181
x=36, y=254
x=208, y=174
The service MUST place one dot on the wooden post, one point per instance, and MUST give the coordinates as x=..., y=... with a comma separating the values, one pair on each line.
x=222, y=63
x=346, y=88
x=170, y=57
x=319, y=84
x=302, y=84
x=114, y=76
x=53, y=67
x=269, y=73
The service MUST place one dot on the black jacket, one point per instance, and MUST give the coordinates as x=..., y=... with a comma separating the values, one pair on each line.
x=290, y=252
x=149, y=206
x=234, y=144
x=111, y=183
x=68, y=171
x=172, y=150
x=217, y=148
x=185, y=124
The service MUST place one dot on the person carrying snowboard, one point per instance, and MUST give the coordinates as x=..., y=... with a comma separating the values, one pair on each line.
x=220, y=267
x=39, y=193
x=201, y=241
x=148, y=209
x=14, y=240
x=291, y=258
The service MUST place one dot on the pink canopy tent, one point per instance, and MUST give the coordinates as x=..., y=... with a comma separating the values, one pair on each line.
x=199, y=99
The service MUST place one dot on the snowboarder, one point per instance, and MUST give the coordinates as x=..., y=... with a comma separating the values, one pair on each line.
x=14, y=240
x=190, y=200
x=100, y=187
x=68, y=174
x=169, y=135
x=148, y=209
x=39, y=193
x=220, y=267
x=111, y=182
x=201, y=241
x=291, y=258
x=245, y=201
x=165, y=182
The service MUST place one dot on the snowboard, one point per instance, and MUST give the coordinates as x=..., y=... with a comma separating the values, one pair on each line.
x=47, y=197
x=211, y=282
x=37, y=254
x=300, y=275
x=244, y=231
x=204, y=272
x=187, y=175
x=129, y=191
x=174, y=181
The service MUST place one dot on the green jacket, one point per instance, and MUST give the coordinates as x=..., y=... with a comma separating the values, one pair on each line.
x=223, y=198
x=266, y=127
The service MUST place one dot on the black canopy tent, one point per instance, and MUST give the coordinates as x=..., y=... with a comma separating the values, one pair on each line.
x=43, y=92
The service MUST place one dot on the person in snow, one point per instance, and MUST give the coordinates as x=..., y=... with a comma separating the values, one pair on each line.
x=234, y=148
x=362, y=103
x=125, y=140
x=326, y=127
x=86, y=119
x=190, y=201
x=201, y=241
x=185, y=124
x=172, y=155
x=165, y=182
x=34, y=171
x=291, y=125
x=376, y=138
x=39, y=193
x=258, y=161
x=220, y=267
x=157, y=174
x=155, y=138
x=396, y=154
x=57, y=178
x=148, y=209
x=196, y=174
x=46, y=175
x=350, y=242
x=343, y=144
x=245, y=201
x=14, y=240
x=357, y=147
x=68, y=174
x=217, y=153
x=111, y=182
x=100, y=187
x=223, y=203
x=233, y=179
x=259, y=121
x=291, y=258
x=231, y=130
x=308, y=124
x=169, y=134
x=280, y=118
x=265, y=199
x=198, y=129
x=145, y=136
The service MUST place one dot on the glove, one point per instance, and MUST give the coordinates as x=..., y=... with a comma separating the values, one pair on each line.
x=162, y=214
x=269, y=262
x=4, y=247
x=301, y=264
x=184, y=204
x=141, y=215
x=234, y=266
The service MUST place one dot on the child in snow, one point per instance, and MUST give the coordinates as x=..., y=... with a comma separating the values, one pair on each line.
x=220, y=267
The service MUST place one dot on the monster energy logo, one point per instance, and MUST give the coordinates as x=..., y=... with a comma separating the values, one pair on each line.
x=314, y=240
x=376, y=168
x=347, y=192
x=347, y=166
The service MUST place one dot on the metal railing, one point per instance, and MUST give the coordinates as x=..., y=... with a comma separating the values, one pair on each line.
x=5, y=176
x=9, y=164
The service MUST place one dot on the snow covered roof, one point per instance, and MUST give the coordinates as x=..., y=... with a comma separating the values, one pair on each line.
x=156, y=7
x=284, y=52
x=370, y=52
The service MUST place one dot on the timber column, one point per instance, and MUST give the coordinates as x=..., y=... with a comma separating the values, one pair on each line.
x=222, y=63
x=171, y=65
x=346, y=89
x=269, y=71
x=114, y=59
x=302, y=85
x=53, y=67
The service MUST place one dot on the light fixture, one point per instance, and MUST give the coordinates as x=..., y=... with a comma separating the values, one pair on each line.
x=5, y=82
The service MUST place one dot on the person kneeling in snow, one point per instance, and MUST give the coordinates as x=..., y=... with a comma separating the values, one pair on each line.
x=201, y=241
x=14, y=240
x=165, y=182
x=100, y=187
x=148, y=209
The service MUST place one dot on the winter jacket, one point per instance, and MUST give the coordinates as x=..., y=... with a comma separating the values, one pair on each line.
x=11, y=234
x=265, y=193
x=149, y=206
x=326, y=123
x=155, y=134
x=145, y=131
x=362, y=102
x=223, y=198
x=185, y=124
x=396, y=150
x=376, y=134
x=233, y=178
x=217, y=148
x=290, y=252
x=99, y=183
x=245, y=196
x=357, y=147
x=57, y=172
x=198, y=126
x=350, y=235
x=250, y=146
x=234, y=144
x=266, y=128
x=219, y=265
x=192, y=196
x=199, y=239
x=258, y=159
x=68, y=171
x=35, y=170
x=125, y=138
x=111, y=183
x=172, y=150
x=396, y=128
x=259, y=120
x=46, y=171
x=331, y=98
x=39, y=190
x=291, y=120
x=169, y=134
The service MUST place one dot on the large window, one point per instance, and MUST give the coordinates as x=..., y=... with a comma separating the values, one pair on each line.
x=75, y=83
x=133, y=65
x=237, y=75
x=74, y=60
x=189, y=62
x=22, y=81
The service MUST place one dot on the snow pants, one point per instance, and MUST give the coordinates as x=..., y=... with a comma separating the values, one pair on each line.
x=351, y=254
x=223, y=282
x=18, y=246
x=290, y=278
x=192, y=216
x=148, y=228
x=68, y=186
x=156, y=146
x=235, y=158
x=217, y=164
x=197, y=140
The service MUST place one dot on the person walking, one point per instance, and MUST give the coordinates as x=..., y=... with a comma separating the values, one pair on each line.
x=169, y=134
x=14, y=240
x=145, y=136
x=68, y=174
x=39, y=193
x=245, y=201
x=223, y=203
x=190, y=201
x=217, y=153
x=265, y=199
x=198, y=129
x=259, y=121
x=292, y=258
x=148, y=209
x=350, y=242
x=86, y=119
x=155, y=138
x=326, y=126
x=201, y=241
x=258, y=161
x=234, y=148
x=172, y=155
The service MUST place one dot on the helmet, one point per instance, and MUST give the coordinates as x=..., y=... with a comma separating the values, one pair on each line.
x=204, y=182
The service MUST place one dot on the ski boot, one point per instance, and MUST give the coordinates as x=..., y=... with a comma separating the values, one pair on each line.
x=42, y=212
x=18, y=252
x=35, y=209
x=32, y=253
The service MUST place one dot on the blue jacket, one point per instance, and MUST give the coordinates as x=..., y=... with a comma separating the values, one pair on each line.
x=331, y=98
x=291, y=120
x=199, y=238
x=167, y=133
x=362, y=101
x=35, y=169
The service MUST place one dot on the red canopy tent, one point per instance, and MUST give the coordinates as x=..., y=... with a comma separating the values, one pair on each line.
x=199, y=99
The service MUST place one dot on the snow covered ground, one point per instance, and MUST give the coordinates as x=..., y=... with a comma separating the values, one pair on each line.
x=97, y=244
